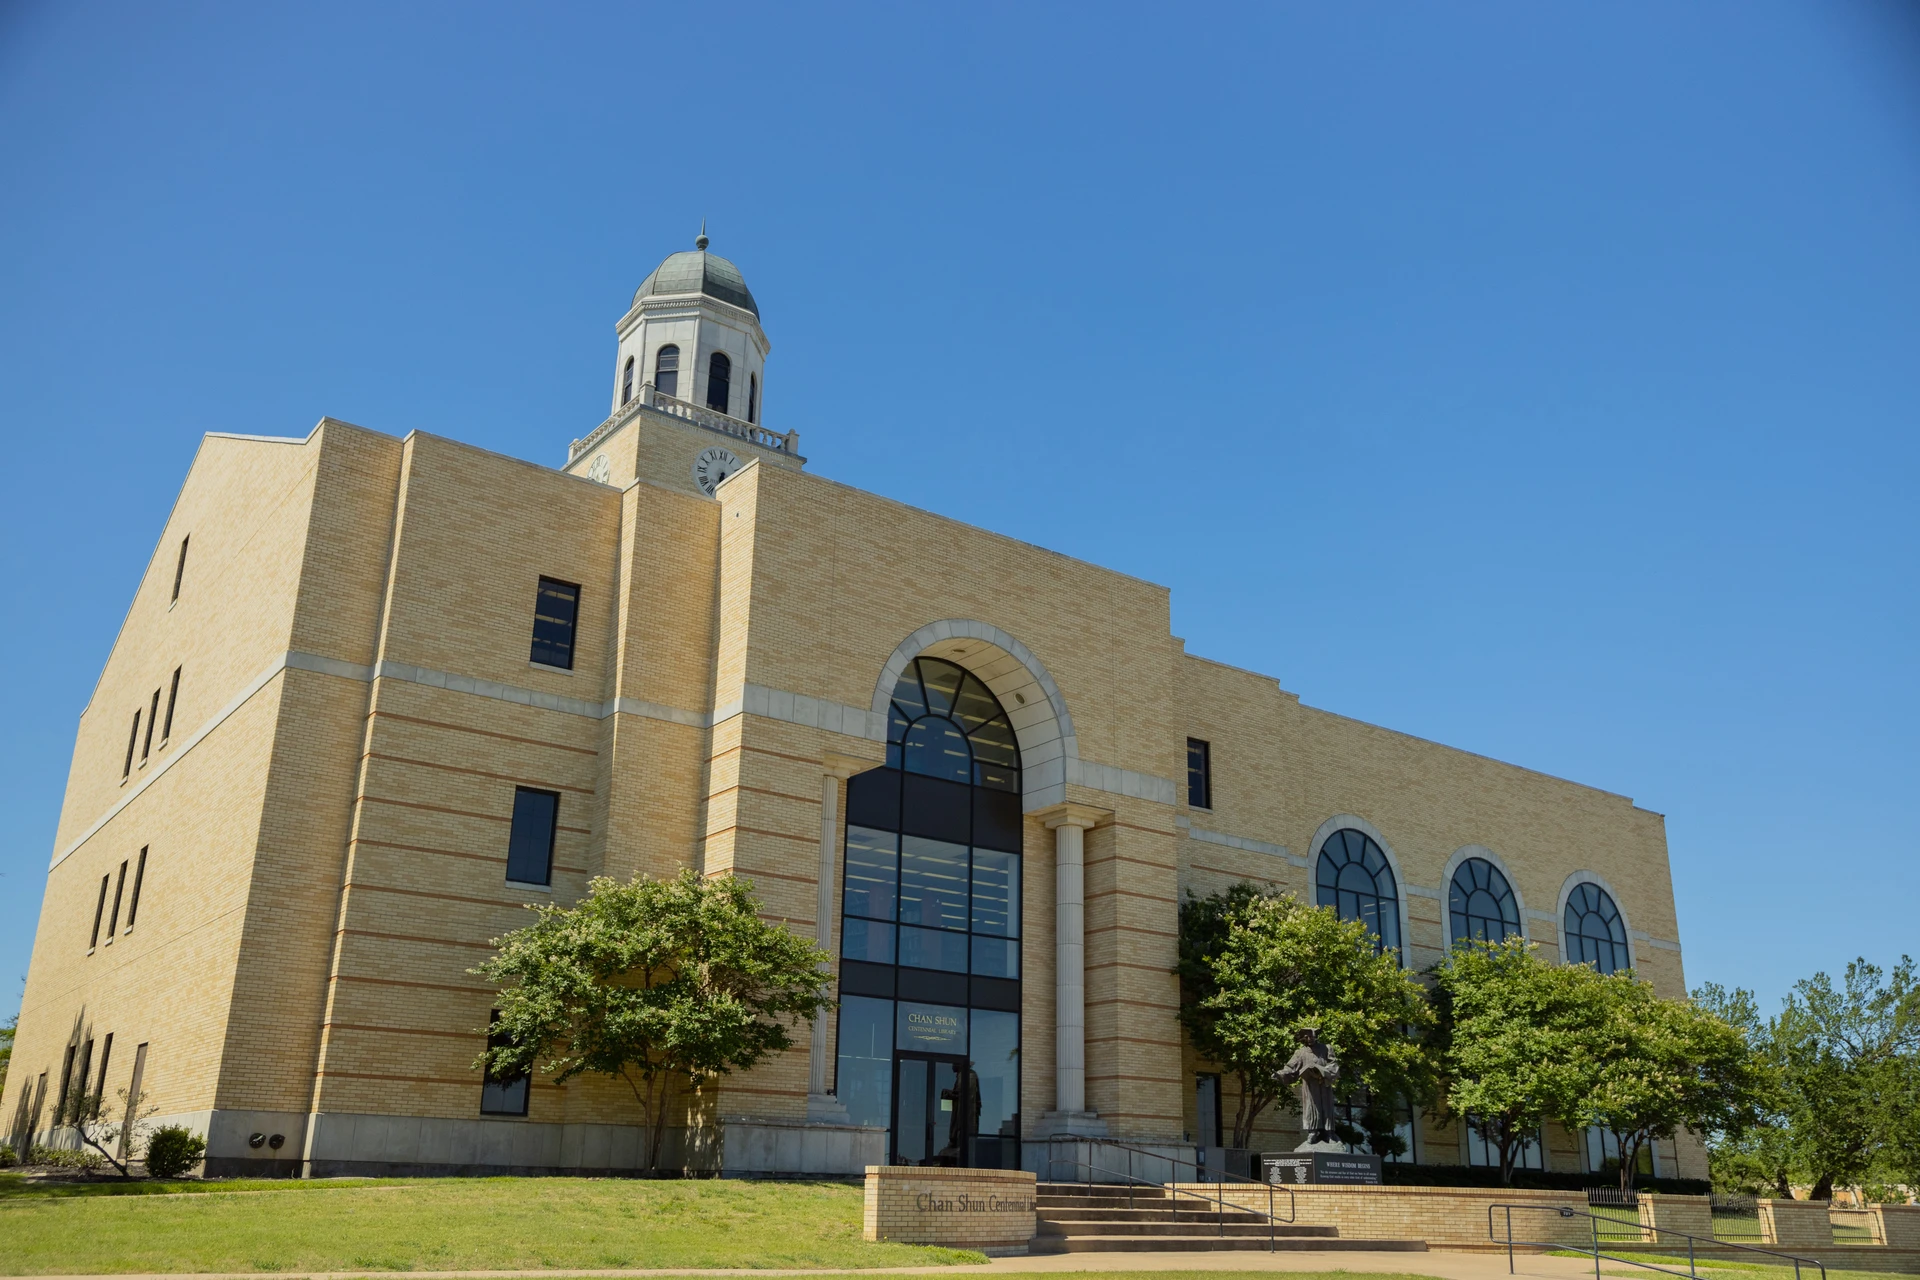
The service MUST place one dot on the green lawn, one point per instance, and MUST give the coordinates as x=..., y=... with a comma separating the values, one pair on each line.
x=439, y=1224
x=1758, y=1269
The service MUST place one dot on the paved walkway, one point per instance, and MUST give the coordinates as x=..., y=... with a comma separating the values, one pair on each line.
x=1443, y=1266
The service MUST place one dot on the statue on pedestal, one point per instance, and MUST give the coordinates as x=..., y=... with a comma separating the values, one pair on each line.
x=1315, y=1068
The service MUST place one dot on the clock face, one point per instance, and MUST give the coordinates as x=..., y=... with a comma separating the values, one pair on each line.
x=712, y=466
x=601, y=470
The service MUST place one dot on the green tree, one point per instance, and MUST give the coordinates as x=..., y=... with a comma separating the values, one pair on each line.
x=660, y=983
x=1517, y=1041
x=1257, y=968
x=1664, y=1065
x=102, y=1128
x=6, y=1048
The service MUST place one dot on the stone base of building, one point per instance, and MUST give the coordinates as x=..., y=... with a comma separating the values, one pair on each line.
x=349, y=1145
x=760, y=1147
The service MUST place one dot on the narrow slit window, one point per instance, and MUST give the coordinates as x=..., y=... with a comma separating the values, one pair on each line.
x=626, y=382
x=666, y=370
x=133, y=742
x=139, y=874
x=100, y=1081
x=119, y=890
x=99, y=912
x=502, y=1095
x=719, y=382
x=753, y=397
x=536, y=816
x=153, y=714
x=556, y=606
x=180, y=566
x=81, y=1082
x=66, y=1082
x=173, y=698
x=1199, y=774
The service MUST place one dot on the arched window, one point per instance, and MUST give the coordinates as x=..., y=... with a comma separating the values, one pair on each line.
x=1480, y=904
x=719, y=381
x=1355, y=879
x=666, y=370
x=626, y=382
x=929, y=1038
x=1592, y=932
x=753, y=397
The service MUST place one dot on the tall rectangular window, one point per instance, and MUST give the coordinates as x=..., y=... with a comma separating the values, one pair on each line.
x=1199, y=774
x=555, y=608
x=78, y=1102
x=502, y=1095
x=99, y=911
x=66, y=1085
x=133, y=740
x=139, y=874
x=180, y=567
x=173, y=697
x=536, y=814
x=100, y=1081
x=119, y=888
x=153, y=713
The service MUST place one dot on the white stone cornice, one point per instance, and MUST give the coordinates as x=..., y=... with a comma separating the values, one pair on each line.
x=1071, y=814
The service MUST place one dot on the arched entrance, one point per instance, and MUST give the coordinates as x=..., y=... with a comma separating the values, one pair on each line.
x=930, y=969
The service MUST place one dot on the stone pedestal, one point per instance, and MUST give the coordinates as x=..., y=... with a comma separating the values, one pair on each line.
x=1899, y=1225
x=988, y=1209
x=1688, y=1215
x=1796, y=1224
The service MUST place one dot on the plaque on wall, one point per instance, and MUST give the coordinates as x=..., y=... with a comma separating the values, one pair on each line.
x=1329, y=1167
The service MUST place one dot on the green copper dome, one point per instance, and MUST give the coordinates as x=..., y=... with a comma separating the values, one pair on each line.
x=699, y=272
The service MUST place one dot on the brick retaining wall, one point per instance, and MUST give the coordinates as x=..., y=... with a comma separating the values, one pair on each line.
x=989, y=1209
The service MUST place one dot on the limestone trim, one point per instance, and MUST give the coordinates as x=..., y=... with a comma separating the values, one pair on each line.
x=1237, y=842
x=1348, y=821
x=1573, y=882
x=1460, y=855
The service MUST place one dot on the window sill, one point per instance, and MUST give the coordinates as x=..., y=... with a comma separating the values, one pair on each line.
x=528, y=884
x=559, y=671
x=503, y=1115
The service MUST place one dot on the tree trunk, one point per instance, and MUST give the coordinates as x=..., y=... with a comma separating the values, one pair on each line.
x=1781, y=1187
x=1823, y=1189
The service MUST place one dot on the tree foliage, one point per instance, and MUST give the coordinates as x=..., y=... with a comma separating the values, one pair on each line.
x=108, y=1131
x=1257, y=968
x=1842, y=1070
x=659, y=983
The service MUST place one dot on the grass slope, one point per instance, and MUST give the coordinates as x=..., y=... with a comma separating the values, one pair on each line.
x=440, y=1224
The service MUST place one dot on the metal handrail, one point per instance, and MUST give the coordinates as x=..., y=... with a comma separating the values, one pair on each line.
x=1593, y=1228
x=1175, y=1189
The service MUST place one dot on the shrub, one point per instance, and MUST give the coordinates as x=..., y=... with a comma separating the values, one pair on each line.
x=64, y=1158
x=7, y=1157
x=172, y=1150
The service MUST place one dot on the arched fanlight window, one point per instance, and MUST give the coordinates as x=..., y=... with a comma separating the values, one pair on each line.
x=944, y=723
x=753, y=397
x=626, y=382
x=666, y=370
x=1354, y=878
x=1592, y=932
x=719, y=381
x=1480, y=904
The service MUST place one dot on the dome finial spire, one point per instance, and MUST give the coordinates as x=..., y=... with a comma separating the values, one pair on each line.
x=700, y=241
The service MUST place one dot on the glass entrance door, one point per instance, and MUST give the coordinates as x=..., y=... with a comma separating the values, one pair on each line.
x=934, y=1110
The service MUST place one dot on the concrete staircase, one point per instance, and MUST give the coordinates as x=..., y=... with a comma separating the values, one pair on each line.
x=1080, y=1218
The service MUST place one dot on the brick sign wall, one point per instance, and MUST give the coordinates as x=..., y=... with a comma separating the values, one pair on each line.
x=964, y=1208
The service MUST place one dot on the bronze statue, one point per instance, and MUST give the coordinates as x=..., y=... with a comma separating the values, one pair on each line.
x=1315, y=1068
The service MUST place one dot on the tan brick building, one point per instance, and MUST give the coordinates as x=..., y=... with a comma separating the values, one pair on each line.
x=373, y=694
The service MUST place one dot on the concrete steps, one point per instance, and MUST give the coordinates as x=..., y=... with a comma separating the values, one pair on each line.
x=1076, y=1218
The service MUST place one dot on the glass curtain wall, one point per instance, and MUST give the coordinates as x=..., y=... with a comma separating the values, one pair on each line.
x=929, y=1041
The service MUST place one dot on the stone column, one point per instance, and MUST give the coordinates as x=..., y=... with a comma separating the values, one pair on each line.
x=824, y=1107
x=1069, y=824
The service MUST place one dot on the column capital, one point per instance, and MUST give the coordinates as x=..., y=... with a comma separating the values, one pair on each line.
x=1072, y=815
x=845, y=766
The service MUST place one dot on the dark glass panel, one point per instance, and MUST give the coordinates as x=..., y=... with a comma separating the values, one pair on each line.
x=942, y=681
x=873, y=872
x=933, y=949
x=994, y=1055
x=996, y=957
x=666, y=370
x=994, y=742
x=973, y=705
x=996, y=893
x=530, y=846
x=502, y=1095
x=936, y=747
x=555, y=606
x=873, y=799
x=935, y=808
x=1353, y=877
x=858, y=979
x=996, y=819
x=1594, y=931
x=995, y=993
x=1199, y=774
x=931, y=1028
x=933, y=986
x=897, y=722
x=864, y=1077
x=933, y=883
x=912, y=1132
x=869, y=940
x=719, y=382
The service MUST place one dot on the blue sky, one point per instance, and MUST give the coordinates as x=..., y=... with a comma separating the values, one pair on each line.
x=1540, y=379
